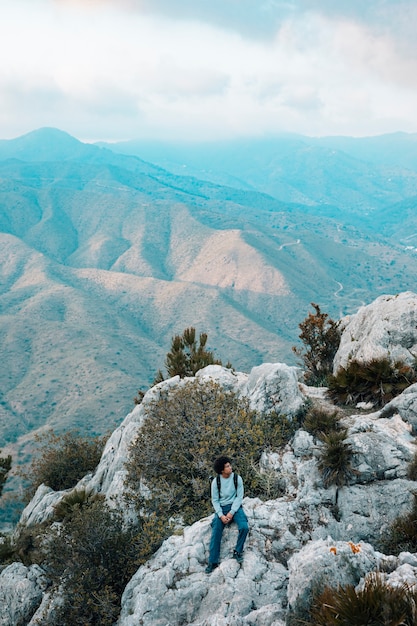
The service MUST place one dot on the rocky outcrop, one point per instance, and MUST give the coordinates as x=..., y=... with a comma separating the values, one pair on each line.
x=340, y=563
x=269, y=387
x=385, y=328
x=310, y=532
x=21, y=592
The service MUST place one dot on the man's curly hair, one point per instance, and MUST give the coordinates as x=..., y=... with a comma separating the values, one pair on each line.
x=219, y=464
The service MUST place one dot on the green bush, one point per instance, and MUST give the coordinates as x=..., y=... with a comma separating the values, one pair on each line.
x=185, y=430
x=5, y=466
x=377, y=604
x=402, y=534
x=377, y=381
x=25, y=544
x=95, y=553
x=335, y=458
x=319, y=421
x=187, y=356
x=62, y=460
x=412, y=468
x=321, y=338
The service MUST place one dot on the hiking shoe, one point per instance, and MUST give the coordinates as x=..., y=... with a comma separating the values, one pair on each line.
x=210, y=567
x=238, y=556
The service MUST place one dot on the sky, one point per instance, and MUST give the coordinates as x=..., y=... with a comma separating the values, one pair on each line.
x=198, y=70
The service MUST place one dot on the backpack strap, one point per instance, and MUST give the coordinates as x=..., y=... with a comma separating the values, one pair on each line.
x=218, y=482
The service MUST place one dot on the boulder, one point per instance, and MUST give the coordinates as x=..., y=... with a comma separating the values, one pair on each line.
x=21, y=592
x=385, y=328
x=326, y=563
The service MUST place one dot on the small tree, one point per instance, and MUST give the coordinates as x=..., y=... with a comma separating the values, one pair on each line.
x=5, y=465
x=321, y=338
x=187, y=356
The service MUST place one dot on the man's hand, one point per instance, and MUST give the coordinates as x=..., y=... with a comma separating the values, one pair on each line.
x=225, y=519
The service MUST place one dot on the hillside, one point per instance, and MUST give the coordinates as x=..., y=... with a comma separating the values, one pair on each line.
x=105, y=256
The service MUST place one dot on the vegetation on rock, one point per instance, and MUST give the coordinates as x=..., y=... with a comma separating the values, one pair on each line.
x=185, y=430
x=90, y=546
x=62, y=460
x=376, y=602
x=377, y=381
x=335, y=458
x=187, y=356
x=402, y=534
x=319, y=421
x=5, y=466
x=321, y=338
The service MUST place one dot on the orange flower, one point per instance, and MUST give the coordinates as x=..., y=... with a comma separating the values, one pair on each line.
x=355, y=548
x=333, y=550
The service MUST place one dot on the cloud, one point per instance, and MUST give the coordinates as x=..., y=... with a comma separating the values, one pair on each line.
x=264, y=18
x=249, y=18
x=106, y=69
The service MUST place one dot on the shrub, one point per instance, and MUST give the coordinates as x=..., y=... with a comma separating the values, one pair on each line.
x=335, y=458
x=5, y=465
x=96, y=554
x=402, y=534
x=62, y=460
x=377, y=603
x=377, y=381
x=412, y=468
x=25, y=544
x=187, y=357
x=319, y=421
x=321, y=338
x=72, y=502
x=184, y=431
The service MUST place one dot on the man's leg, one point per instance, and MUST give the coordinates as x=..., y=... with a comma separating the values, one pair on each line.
x=243, y=527
x=217, y=527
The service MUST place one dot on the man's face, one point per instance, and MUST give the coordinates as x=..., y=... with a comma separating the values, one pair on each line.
x=227, y=470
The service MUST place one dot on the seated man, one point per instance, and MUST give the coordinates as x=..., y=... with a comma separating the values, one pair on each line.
x=226, y=496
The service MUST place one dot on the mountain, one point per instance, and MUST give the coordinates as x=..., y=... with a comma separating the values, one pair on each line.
x=105, y=256
x=357, y=175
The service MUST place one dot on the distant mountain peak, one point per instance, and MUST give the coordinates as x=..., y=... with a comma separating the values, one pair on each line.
x=43, y=144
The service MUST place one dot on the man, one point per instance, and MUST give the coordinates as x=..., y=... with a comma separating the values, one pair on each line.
x=227, y=503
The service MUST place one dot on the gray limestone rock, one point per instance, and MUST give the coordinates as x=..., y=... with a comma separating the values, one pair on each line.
x=21, y=592
x=385, y=328
x=326, y=563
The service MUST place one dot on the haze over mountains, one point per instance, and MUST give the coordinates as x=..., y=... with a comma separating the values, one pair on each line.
x=107, y=251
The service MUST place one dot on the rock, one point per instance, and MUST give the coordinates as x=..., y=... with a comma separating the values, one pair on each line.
x=173, y=588
x=382, y=448
x=405, y=405
x=385, y=328
x=274, y=387
x=326, y=563
x=41, y=507
x=21, y=591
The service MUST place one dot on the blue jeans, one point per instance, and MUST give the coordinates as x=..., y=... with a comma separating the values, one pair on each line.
x=217, y=527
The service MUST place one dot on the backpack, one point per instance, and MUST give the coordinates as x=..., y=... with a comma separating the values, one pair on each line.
x=218, y=482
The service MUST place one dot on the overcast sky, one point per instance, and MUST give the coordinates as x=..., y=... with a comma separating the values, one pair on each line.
x=207, y=69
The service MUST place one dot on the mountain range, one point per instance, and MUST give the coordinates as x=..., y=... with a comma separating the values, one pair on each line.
x=108, y=250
